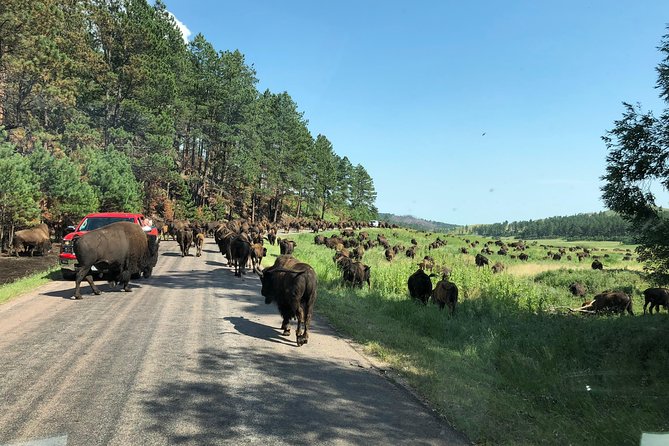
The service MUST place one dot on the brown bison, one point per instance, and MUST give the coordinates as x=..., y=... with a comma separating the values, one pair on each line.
x=356, y=273
x=286, y=246
x=199, y=242
x=596, y=264
x=498, y=267
x=656, y=297
x=36, y=239
x=292, y=285
x=445, y=293
x=577, y=289
x=608, y=301
x=122, y=248
x=184, y=239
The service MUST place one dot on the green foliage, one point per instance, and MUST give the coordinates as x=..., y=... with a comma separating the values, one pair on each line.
x=116, y=75
x=67, y=197
x=110, y=174
x=636, y=162
x=594, y=226
x=19, y=189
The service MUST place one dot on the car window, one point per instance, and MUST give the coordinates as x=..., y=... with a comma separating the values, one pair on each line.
x=92, y=223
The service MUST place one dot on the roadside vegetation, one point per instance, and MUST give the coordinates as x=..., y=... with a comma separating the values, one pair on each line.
x=15, y=289
x=513, y=365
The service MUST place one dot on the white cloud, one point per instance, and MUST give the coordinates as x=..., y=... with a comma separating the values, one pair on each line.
x=185, y=32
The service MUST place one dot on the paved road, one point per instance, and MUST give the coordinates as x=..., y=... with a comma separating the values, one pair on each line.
x=192, y=356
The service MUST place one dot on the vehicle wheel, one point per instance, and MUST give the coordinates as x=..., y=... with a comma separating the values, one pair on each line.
x=68, y=275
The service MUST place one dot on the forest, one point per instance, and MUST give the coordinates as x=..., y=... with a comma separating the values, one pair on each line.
x=104, y=106
x=592, y=226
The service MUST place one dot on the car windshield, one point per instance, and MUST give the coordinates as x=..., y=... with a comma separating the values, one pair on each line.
x=92, y=223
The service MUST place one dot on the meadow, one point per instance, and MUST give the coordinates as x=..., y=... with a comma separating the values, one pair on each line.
x=513, y=365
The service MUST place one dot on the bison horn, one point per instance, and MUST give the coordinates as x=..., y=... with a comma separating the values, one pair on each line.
x=258, y=271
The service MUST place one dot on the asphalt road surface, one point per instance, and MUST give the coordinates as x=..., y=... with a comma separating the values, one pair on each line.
x=192, y=356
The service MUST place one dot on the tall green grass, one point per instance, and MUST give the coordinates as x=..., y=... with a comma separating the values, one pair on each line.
x=512, y=366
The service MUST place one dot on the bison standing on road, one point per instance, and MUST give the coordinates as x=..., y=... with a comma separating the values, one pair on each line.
x=656, y=297
x=292, y=285
x=123, y=248
x=184, y=239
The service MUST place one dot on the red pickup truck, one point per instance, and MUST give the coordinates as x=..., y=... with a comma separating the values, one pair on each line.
x=67, y=259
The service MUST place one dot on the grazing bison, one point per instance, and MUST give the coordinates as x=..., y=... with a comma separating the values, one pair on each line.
x=292, y=285
x=596, y=264
x=123, y=248
x=481, y=260
x=656, y=297
x=577, y=289
x=420, y=286
x=445, y=293
x=608, y=301
x=31, y=240
x=498, y=267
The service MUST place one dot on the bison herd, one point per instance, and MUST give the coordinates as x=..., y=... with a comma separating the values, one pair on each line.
x=125, y=251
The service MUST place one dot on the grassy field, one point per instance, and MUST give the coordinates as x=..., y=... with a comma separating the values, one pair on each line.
x=513, y=365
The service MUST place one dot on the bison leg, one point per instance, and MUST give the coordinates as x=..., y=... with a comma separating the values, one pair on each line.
x=301, y=331
x=285, y=326
x=81, y=274
x=645, y=305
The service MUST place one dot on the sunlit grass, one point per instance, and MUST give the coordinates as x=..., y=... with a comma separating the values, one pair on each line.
x=21, y=286
x=513, y=366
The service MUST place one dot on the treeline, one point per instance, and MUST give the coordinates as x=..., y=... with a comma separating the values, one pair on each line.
x=103, y=106
x=409, y=221
x=595, y=226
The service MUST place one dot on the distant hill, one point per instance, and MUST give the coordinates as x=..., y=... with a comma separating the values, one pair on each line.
x=409, y=221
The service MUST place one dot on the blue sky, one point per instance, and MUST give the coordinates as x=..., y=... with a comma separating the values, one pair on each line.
x=408, y=89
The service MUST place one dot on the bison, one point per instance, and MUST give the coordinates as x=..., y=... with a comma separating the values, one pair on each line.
x=498, y=267
x=31, y=240
x=656, y=297
x=287, y=246
x=596, y=264
x=123, y=248
x=292, y=285
x=445, y=293
x=356, y=273
x=481, y=260
x=608, y=301
x=420, y=286
x=199, y=242
x=577, y=289
x=184, y=239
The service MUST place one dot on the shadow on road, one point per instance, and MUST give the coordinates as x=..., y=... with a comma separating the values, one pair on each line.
x=323, y=402
x=260, y=331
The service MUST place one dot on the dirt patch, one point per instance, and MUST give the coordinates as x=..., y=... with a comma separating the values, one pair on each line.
x=13, y=268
